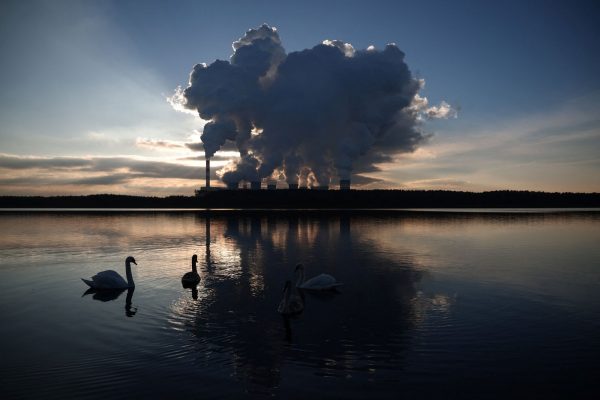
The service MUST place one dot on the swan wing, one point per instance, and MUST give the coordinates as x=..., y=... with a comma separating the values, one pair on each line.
x=107, y=280
x=321, y=282
x=89, y=283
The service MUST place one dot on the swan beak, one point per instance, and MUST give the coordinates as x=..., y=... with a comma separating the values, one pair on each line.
x=134, y=262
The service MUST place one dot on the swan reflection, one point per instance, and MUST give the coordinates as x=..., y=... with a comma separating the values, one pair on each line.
x=292, y=302
x=113, y=294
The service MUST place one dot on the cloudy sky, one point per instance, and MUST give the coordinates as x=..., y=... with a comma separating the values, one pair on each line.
x=83, y=105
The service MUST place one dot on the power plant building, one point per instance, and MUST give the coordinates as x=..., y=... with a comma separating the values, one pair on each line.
x=344, y=184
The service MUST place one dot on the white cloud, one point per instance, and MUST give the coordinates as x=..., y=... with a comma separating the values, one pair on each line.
x=444, y=110
x=346, y=48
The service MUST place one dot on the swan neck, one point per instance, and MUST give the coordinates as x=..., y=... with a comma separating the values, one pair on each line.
x=286, y=296
x=129, y=274
x=194, y=269
x=300, y=277
x=129, y=297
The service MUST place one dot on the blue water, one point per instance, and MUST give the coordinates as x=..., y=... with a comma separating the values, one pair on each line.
x=435, y=304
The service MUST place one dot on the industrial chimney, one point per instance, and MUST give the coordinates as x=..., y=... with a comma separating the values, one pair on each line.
x=207, y=173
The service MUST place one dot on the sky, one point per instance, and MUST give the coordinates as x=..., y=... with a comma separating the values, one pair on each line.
x=85, y=87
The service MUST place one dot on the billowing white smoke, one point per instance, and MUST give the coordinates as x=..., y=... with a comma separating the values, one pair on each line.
x=313, y=114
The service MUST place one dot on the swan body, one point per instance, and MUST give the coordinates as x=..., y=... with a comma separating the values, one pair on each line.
x=319, y=282
x=110, y=279
x=292, y=302
x=191, y=278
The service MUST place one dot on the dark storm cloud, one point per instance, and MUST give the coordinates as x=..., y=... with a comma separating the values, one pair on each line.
x=199, y=146
x=313, y=114
x=216, y=157
x=14, y=162
x=157, y=143
x=365, y=180
x=115, y=170
x=195, y=146
x=101, y=180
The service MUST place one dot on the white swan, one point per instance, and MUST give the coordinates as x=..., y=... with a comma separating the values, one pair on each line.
x=292, y=302
x=319, y=282
x=191, y=278
x=111, y=279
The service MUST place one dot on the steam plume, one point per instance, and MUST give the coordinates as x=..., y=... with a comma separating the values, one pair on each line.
x=312, y=114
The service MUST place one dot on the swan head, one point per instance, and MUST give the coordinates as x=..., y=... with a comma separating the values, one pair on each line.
x=299, y=267
x=130, y=260
x=194, y=259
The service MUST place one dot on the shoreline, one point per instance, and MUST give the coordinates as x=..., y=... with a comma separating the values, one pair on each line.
x=306, y=200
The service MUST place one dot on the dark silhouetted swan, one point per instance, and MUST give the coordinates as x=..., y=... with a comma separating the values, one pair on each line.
x=292, y=302
x=191, y=279
x=111, y=279
x=319, y=282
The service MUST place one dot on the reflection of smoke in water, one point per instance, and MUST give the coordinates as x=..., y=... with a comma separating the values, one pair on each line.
x=236, y=315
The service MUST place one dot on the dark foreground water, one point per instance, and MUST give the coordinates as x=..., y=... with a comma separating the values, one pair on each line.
x=442, y=305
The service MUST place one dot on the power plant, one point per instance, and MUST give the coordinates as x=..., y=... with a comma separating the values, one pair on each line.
x=257, y=185
x=308, y=114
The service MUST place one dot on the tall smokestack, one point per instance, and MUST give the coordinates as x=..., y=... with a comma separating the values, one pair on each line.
x=207, y=173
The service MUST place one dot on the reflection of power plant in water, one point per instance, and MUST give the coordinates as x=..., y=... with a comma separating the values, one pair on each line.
x=237, y=314
x=207, y=242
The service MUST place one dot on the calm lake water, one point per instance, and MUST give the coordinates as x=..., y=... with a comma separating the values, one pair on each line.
x=435, y=304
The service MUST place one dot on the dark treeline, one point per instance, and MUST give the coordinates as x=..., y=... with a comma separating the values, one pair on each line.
x=306, y=199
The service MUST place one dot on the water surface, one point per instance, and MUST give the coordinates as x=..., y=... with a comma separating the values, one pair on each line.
x=435, y=304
